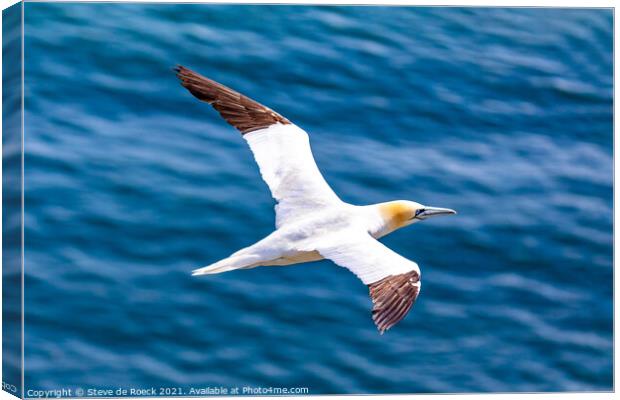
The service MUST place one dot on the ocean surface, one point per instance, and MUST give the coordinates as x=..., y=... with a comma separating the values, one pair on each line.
x=130, y=183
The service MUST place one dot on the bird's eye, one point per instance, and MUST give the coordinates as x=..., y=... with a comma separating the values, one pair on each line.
x=419, y=211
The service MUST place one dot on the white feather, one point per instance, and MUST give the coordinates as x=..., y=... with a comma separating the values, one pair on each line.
x=365, y=256
x=285, y=159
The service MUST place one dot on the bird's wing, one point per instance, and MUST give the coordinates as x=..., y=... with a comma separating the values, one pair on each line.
x=393, y=281
x=281, y=149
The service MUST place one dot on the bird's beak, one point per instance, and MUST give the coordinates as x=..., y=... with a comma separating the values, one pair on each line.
x=427, y=212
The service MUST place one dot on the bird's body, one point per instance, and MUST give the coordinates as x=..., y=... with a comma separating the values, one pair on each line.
x=297, y=242
x=312, y=223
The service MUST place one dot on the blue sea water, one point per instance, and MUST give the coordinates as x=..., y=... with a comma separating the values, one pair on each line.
x=130, y=183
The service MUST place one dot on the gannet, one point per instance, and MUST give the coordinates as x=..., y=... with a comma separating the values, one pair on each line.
x=312, y=223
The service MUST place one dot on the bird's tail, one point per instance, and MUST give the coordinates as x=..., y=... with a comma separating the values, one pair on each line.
x=236, y=261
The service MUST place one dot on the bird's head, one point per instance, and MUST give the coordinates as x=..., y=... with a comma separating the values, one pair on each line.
x=401, y=213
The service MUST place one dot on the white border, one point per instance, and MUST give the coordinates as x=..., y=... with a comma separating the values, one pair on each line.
x=490, y=3
x=478, y=3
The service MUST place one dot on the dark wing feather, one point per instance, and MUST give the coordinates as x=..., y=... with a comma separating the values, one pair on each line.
x=238, y=110
x=392, y=297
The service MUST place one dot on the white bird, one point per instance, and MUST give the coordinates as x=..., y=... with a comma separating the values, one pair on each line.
x=312, y=223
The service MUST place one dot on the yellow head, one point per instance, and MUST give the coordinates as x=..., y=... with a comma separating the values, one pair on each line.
x=400, y=213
